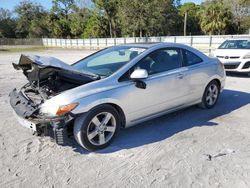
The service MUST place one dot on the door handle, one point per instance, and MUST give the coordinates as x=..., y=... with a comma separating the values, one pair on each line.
x=180, y=75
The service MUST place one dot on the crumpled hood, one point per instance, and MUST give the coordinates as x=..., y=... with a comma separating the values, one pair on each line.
x=43, y=61
x=36, y=68
x=50, y=61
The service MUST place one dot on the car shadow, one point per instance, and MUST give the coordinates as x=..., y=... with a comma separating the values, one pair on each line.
x=165, y=126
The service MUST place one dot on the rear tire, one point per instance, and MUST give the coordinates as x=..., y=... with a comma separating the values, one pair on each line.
x=211, y=95
x=97, y=129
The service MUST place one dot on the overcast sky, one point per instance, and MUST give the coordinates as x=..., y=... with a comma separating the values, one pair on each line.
x=10, y=4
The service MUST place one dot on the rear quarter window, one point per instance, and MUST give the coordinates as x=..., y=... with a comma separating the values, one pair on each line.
x=190, y=58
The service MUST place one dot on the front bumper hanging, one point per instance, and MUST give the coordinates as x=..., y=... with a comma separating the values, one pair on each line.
x=55, y=127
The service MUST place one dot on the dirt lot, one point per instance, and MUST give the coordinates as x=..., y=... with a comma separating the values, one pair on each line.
x=171, y=151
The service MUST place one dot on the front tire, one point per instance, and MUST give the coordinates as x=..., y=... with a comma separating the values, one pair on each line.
x=97, y=129
x=211, y=95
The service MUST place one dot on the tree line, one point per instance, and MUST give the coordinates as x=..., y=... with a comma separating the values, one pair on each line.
x=124, y=18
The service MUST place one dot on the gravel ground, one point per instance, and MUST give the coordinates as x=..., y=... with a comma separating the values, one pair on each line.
x=189, y=148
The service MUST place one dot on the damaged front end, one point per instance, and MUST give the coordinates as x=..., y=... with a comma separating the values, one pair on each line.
x=28, y=114
x=48, y=77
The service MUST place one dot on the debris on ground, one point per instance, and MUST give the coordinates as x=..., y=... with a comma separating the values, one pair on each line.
x=224, y=152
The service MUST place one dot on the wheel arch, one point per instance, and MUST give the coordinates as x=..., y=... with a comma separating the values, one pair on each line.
x=114, y=104
x=120, y=111
x=217, y=79
x=218, y=82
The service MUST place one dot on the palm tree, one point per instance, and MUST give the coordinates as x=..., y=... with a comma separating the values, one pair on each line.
x=215, y=18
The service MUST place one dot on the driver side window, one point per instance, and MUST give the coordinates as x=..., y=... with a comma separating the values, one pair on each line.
x=158, y=61
x=161, y=61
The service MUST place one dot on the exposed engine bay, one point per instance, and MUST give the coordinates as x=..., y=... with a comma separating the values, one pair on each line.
x=39, y=91
x=47, y=78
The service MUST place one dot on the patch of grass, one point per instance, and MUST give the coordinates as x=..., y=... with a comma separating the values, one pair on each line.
x=3, y=50
x=22, y=49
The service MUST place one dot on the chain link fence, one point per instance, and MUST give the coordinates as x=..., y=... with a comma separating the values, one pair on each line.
x=21, y=42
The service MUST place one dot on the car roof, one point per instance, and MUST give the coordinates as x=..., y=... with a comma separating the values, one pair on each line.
x=153, y=44
x=141, y=45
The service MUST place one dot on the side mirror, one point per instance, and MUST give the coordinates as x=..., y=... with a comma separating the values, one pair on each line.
x=139, y=74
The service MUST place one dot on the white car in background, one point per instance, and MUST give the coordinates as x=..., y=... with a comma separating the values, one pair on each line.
x=235, y=55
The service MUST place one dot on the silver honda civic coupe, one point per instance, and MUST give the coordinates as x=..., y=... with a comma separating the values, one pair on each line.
x=114, y=88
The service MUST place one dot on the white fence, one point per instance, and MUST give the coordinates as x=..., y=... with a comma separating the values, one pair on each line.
x=205, y=43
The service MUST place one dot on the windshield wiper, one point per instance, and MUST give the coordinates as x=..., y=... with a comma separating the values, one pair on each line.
x=88, y=74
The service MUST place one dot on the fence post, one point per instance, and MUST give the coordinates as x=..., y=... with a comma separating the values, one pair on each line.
x=210, y=44
x=191, y=41
x=98, y=47
x=115, y=41
x=175, y=39
x=125, y=40
x=106, y=42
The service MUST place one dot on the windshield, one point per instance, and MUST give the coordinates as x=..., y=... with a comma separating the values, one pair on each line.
x=235, y=44
x=109, y=60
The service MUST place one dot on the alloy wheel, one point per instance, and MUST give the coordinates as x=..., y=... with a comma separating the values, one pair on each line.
x=101, y=128
x=212, y=94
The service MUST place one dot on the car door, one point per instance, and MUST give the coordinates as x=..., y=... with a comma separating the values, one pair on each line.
x=165, y=85
x=197, y=75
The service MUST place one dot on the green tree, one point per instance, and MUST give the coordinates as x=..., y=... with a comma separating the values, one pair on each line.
x=110, y=11
x=96, y=26
x=30, y=18
x=7, y=24
x=58, y=18
x=148, y=17
x=241, y=14
x=133, y=15
x=215, y=18
x=192, y=11
x=78, y=21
